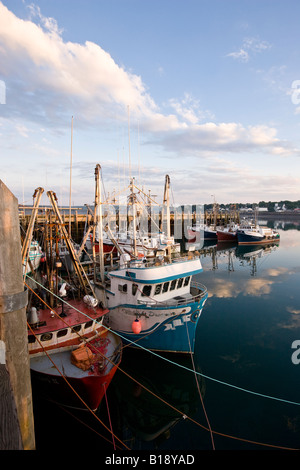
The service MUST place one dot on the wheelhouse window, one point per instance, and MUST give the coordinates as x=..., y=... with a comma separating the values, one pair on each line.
x=173, y=284
x=187, y=280
x=180, y=282
x=165, y=287
x=122, y=288
x=157, y=289
x=134, y=289
x=146, y=291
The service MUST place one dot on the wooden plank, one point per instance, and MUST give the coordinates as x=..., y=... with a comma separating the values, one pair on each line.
x=10, y=435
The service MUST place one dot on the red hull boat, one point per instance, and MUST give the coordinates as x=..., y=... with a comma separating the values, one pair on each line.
x=73, y=357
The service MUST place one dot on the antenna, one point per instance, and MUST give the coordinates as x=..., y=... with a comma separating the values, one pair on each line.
x=70, y=179
x=129, y=143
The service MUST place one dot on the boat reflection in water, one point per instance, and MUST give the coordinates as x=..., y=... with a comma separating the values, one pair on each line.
x=247, y=254
x=144, y=416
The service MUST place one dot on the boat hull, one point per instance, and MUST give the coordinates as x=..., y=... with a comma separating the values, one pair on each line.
x=197, y=235
x=252, y=239
x=55, y=377
x=170, y=329
x=226, y=236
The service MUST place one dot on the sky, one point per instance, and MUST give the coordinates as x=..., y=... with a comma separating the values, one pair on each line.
x=206, y=91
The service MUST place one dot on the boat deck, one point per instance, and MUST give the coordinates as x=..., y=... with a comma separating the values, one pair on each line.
x=67, y=314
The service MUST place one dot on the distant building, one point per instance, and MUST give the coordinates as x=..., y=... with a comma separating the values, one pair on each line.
x=277, y=208
x=262, y=209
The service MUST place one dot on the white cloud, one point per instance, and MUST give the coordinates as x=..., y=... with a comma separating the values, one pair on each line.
x=64, y=74
x=249, y=47
x=49, y=79
x=241, y=55
x=211, y=138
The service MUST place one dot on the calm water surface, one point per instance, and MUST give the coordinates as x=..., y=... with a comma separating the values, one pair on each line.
x=244, y=339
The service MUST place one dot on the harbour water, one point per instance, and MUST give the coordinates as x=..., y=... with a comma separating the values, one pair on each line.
x=243, y=382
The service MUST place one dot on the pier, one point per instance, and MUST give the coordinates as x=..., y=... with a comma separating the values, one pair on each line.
x=77, y=221
x=17, y=425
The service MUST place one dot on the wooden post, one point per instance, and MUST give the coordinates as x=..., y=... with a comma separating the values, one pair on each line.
x=13, y=325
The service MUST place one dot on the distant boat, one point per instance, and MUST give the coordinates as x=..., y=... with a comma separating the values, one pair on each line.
x=252, y=233
x=34, y=259
x=199, y=232
x=228, y=233
x=145, y=245
x=72, y=353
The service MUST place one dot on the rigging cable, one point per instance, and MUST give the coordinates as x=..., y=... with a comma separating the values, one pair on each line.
x=199, y=391
x=107, y=407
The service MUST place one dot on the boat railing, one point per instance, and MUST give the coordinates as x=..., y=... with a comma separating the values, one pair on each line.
x=156, y=261
x=197, y=292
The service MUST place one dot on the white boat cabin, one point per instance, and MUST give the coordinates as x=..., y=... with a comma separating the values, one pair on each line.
x=138, y=284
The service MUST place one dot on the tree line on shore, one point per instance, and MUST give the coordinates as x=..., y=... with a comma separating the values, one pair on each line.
x=270, y=205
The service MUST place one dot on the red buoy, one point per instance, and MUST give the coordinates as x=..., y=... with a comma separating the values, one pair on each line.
x=136, y=326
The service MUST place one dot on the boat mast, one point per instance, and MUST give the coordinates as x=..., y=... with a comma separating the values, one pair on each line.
x=167, y=203
x=83, y=279
x=132, y=202
x=215, y=212
x=26, y=244
x=71, y=179
x=98, y=223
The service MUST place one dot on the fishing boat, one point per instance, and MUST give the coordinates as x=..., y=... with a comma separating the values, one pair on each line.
x=73, y=357
x=145, y=245
x=153, y=303
x=34, y=258
x=199, y=232
x=228, y=233
x=252, y=233
x=147, y=242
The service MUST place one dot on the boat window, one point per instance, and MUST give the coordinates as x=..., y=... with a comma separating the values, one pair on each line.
x=31, y=339
x=46, y=336
x=76, y=328
x=173, y=284
x=166, y=286
x=88, y=324
x=134, y=289
x=180, y=282
x=157, y=289
x=122, y=288
x=187, y=280
x=61, y=333
x=146, y=291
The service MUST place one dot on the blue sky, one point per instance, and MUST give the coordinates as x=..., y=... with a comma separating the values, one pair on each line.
x=205, y=91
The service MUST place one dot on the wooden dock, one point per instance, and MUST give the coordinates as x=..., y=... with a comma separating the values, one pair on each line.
x=78, y=221
x=17, y=424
